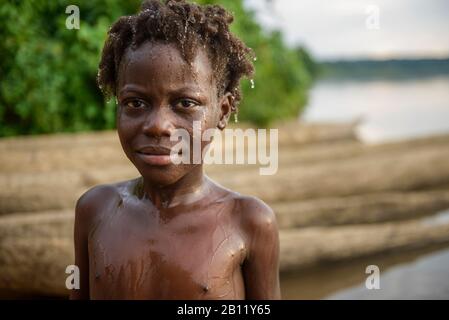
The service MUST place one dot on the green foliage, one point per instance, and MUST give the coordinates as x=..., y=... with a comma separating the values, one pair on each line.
x=47, y=72
x=312, y=67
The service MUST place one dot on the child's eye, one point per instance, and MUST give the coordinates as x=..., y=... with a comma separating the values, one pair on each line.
x=185, y=104
x=135, y=104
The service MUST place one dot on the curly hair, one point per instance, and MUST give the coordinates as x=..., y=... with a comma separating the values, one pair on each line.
x=188, y=26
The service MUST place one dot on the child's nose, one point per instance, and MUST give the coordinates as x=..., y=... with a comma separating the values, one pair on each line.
x=157, y=123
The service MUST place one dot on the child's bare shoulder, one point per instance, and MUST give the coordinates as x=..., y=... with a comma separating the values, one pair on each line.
x=255, y=216
x=250, y=210
x=98, y=198
x=258, y=224
x=255, y=213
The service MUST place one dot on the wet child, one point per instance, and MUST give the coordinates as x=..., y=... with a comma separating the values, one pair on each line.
x=173, y=233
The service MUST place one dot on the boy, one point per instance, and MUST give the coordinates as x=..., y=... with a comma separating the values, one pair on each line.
x=173, y=233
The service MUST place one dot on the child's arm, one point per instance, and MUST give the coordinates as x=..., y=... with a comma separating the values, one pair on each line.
x=81, y=248
x=261, y=267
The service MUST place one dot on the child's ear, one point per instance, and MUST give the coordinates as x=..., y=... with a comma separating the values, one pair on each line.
x=226, y=106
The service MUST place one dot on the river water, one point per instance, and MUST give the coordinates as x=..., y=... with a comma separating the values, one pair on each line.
x=387, y=109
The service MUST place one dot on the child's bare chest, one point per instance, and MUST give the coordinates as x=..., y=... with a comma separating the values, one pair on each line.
x=193, y=256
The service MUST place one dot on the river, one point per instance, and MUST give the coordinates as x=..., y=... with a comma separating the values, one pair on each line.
x=387, y=109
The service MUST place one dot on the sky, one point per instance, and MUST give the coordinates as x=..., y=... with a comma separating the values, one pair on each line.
x=348, y=29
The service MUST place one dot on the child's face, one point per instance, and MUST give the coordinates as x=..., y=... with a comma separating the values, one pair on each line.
x=159, y=92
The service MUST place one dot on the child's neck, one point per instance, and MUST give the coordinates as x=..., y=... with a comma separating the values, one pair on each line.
x=190, y=188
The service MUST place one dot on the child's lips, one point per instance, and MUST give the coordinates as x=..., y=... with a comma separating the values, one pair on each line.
x=155, y=155
x=155, y=159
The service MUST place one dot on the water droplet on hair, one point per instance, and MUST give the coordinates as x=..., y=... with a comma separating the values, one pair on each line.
x=236, y=119
x=252, y=83
x=255, y=59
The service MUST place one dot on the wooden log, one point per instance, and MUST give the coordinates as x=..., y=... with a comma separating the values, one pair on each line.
x=405, y=169
x=303, y=248
x=55, y=190
x=34, y=253
x=416, y=169
x=370, y=208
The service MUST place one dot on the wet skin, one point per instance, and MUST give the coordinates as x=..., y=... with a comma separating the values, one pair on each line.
x=172, y=233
